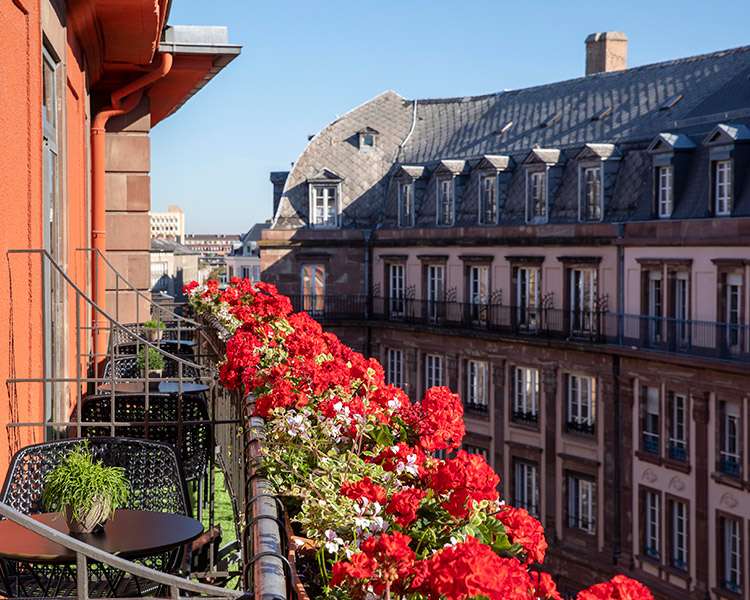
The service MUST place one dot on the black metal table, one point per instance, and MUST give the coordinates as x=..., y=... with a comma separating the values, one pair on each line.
x=131, y=534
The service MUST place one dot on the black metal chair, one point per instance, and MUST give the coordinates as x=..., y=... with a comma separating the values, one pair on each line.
x=156, y=482
x=126, y=367
x=192, y=440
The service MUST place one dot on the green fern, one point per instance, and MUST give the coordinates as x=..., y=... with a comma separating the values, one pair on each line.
x=79, y=481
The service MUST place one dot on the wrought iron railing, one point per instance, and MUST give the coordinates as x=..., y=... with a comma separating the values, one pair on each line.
x=728, y=341
x=191, y=352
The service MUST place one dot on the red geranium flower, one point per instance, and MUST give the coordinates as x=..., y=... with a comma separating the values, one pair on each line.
x=619, y=587
x=441, y=426
x=364, y=488
x=403, y=505
x=543, y=586
x=525, y=530
x=464, y=479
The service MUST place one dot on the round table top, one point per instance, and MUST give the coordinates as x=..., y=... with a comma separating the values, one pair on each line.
x=130, y=534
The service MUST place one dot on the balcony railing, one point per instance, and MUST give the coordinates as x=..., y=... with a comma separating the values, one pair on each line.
x=696, y=338
x=524, y=416
x=651, y=442
x=677, y=450
x=729, y=464
x=580, y=427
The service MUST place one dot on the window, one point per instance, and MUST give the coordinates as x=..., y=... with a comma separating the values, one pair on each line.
x=651, y=524
x=396, y=290
x=158, y=270
x=313, y=288
x=729, y=439
x=245, y=272
x=368, y=140
x=445, y=202
x=527, y=297
x=525, y=394
x=591, y=194
x=664, y=191
x=583, y=300
x=678, y=427
x=479, y=284
x=581, y=503
x=435, y=291
x=651, y=420
x=488, y=200
x=655, y=307
x=732, y=303
x=395, y=367
x=682, y=308
x=433, y=370
x=324, y=205
x=678, y=521
x=723, y=187
x=476, y=385
x=526, y=486
x=479, y=450
x=581, y=400
x=536, y=196
x=406, y=204
x=731, y=554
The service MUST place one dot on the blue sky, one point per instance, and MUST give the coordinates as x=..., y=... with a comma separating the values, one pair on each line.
x=304, y=62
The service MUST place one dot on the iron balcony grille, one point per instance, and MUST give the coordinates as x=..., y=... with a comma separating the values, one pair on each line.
x=584, y=427
x=525, y=416
x=708, y=339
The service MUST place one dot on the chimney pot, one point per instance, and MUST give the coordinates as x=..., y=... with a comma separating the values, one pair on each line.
x=606, y=51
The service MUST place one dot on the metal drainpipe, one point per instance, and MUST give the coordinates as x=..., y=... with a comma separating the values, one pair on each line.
x=368, y=289
x=123, y=101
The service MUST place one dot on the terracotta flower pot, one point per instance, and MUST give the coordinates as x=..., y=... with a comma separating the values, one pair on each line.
x=91, y=521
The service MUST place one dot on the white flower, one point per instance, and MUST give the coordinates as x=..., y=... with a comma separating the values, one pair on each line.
x=333, y=542
x=394, y=404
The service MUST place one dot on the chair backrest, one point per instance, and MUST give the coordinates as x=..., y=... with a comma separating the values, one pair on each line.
x=156, y=480
x=126, y=367
x=193, y=443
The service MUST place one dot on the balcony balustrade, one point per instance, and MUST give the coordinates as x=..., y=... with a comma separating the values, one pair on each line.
x=651, y=442
x=729, y=464
x=580, y=427
x=524, y=416
x=678, y=450
x=707, y=339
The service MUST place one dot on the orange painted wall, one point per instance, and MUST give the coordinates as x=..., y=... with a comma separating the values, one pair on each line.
x=20, y=216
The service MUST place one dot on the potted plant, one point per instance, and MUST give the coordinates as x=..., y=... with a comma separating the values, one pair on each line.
x=155, y=361
x=154, y=329
x=84, y=490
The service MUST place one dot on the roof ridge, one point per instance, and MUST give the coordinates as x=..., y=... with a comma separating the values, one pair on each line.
x=656, y=65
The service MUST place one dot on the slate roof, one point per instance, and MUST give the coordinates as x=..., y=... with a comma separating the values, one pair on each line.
x=162, y=245
x=468, y=127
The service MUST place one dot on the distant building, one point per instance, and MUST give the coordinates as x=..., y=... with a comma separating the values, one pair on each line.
x=212, y=244
x=169, y=225
x=244, y=260
x=172, y=265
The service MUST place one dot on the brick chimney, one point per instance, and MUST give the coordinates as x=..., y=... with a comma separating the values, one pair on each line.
x=606, y=51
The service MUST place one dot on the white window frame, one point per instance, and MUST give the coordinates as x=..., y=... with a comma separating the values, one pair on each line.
x=652, y=529
x=313, y=302
x=682, y=307
x=723, y=187
x=655, y=305
x=526, y=391
x=325, y=187
x=581, y=504
x=583, y=298
x=535, y=178
x=733, y=307
x=488, y=188
x=396, y=289
x=652, y=416
x=395, y=367
x=679, y=551
x=526, y=486
x=584, y=193
x=581, y=399
x=406, y=198
x=479, y=292
x=730, y=446
x=477, y=380
x=435, y=289
x=732, y=575
x=665, y=191
x=434, y=371
x=445, y=184
x=678, y=421
x=528, y=296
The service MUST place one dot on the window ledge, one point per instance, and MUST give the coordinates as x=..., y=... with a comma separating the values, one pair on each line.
x=724, y=593
x=654, y=459
x=675, y=572
x=525, y=425
x=727, y=480
x=651, y=560
x=678, y=465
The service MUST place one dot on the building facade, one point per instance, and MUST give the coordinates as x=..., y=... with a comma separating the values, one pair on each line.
x=244, y=260
x=172, y=266
x=84, y=82
x=572, y=259
x=168, y=225
x=212, y=244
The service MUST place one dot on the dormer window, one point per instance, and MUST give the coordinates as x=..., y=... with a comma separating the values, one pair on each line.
x=536, y=196
x=445, y=202
x=488, y=199
x=367, y=138
x=722, y=176
x=324, y=205
x=664, y=191
x=590, y=208
x=406, y=204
